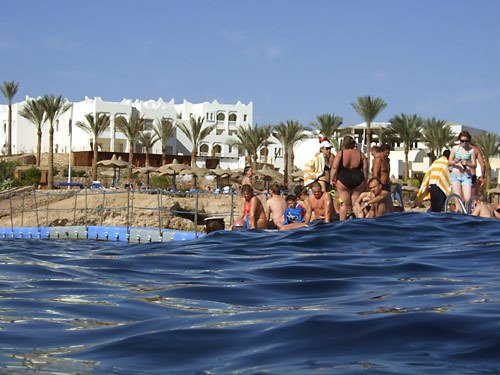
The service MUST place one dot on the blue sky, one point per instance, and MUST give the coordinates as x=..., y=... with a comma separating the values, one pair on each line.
x=293, y=59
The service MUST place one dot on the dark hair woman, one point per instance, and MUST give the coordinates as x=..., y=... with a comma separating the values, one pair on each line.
x=348, y=175
x=462, y=159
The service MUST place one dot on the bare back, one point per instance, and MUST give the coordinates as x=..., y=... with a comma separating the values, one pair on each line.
x=275, y=210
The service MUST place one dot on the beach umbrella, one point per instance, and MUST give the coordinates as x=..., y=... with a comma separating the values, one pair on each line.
x=397, y=181
x=196, y=172
x=220, y=172
x=115, y=164
x=298, y=176
x=268, y=174
x=410, y=189
x=146, y=170
x=172, y=169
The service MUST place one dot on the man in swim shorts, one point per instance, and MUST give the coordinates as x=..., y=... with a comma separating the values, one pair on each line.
x=319, y=203
x=375, y=202
x=382, y=167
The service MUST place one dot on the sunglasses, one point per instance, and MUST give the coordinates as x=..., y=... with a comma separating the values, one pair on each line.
x=464, y=140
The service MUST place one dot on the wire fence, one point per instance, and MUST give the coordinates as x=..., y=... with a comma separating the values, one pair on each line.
x=141, y=208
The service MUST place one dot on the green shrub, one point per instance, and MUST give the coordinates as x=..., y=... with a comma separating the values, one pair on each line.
x=161, y=182
x=8, y=184
x=414, y=182
x=31, y=177
x=7, y=169
x=74, y=172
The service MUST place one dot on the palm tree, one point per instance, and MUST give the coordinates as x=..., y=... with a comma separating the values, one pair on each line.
x=267, y=132
x=53, y=107
x=94, y=127
x=328, y=126
x=164, y=130
x=131, y=128
x=437, y=135
x=147, y=140
x=408, y=128
x=385, y=135
x=196, y=133
x=489, y=143
x=368, y=108
x=33, y=112
x=9, y=90
x=251, y=139
x=289, y=135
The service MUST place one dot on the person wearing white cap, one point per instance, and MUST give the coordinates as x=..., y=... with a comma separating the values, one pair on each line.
x=325, y=148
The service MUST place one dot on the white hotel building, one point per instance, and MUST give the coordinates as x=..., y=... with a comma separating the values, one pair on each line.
x=227, y=117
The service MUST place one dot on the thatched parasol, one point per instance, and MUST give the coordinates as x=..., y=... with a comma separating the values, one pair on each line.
x=116, y=164
x=146, y=170
x=172, y=169
x=268, y=174
x=298, y=176
x=196, y=172
x=220, y=172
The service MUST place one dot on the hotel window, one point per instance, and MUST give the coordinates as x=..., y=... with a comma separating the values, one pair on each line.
x=245, y=117
x=230, y=148
x=148, y=124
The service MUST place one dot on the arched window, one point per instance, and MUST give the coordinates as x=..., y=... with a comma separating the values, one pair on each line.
x=216, y=150
x=232, y=117
x=204, y=149
x=221, y=116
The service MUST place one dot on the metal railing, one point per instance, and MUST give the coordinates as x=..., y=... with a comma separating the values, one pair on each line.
x=37, y=208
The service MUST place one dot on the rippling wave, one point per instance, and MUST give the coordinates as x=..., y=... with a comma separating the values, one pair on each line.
x=406, y=293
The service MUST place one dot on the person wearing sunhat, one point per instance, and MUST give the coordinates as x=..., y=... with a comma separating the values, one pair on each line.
x=318, y=169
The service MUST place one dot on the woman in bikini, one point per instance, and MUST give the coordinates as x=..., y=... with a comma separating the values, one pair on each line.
x=349, y=175
x=462, y=159
x=252, y=210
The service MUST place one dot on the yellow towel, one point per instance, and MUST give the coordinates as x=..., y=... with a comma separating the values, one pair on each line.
x=438, y=174
x=314, y=169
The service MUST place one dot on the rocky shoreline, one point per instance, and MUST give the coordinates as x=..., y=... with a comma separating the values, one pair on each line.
x=110, y=208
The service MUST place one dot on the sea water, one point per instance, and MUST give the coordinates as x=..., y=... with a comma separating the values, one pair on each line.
x=407, y=293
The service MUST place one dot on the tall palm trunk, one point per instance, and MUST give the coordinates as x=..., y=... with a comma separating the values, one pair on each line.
x=50, y=175
x=193, y=157
x=163, y=155
x=147, y=157
x=368, y=145
x=406, y=174
x=9, y=141
x=94, y=161
x=286, y=168
x=292, y=163
x=38, y=147
x=130, y=161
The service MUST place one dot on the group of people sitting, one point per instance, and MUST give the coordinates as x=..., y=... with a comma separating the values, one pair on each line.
x=306, y=206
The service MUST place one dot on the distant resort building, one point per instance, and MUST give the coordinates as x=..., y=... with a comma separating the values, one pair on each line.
x=226, y=117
